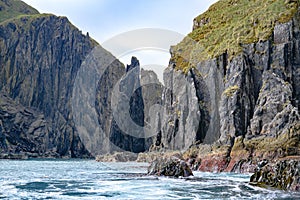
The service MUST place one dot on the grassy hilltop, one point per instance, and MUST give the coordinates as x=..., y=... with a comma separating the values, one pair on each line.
x=229, y=23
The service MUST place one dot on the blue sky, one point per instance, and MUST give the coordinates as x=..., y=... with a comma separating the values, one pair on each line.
x=105, y=19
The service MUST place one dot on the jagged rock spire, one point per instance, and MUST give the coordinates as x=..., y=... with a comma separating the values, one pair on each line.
x=134, y=63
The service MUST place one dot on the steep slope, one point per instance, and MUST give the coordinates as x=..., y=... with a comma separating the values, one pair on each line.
x=10, y=9
x=27, y=129
x=152, y=97
x=137, y=91
x=127, y=126
x=40, y=56
x=125, y=109
x=233, y=83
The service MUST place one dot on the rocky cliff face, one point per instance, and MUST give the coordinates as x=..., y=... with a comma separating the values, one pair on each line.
x=40, y=56
x=283, y=175
x=132, y=99
x=62, y=95
x=245, y=104
x=27, y=129
x=228, y=102
x=152, y=97
x=127, y=131
x=181, y=116
x=10, y=9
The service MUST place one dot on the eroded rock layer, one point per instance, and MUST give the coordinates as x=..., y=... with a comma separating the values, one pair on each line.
x=242, y=104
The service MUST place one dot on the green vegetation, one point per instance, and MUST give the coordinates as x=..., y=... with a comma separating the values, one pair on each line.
x=24, y=21
x=13, y=8
x=27, y=17
x=178, y=113
x=228, y=24
x=231, y=90
x=286, y=143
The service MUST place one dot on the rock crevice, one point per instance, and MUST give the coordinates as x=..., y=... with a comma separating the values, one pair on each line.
x=245, y=106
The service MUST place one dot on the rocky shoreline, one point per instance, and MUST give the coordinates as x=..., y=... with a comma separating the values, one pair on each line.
x=28, y=155
x=282, y=173
x=232, y=106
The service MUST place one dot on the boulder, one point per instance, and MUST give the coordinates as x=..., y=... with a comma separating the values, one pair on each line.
x=170, y=166
x=283, y=174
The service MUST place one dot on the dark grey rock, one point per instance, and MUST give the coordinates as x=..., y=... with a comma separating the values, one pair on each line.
x=274, y=112
x=91, y=100
x=134, y=104
x=40, y=56
x=127, y=130
x=237, y=102
x=181, y=114
x=25, y=132
x=281, y=175
x=169, y=166
x=248, y=95
x=152, y=97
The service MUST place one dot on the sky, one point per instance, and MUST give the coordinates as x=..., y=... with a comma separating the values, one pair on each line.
x=142, y=28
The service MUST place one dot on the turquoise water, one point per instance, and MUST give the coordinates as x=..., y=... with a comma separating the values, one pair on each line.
x=87, y=179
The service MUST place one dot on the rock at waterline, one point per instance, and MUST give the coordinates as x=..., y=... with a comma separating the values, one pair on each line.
x=281, y=175
x=170, y=166
x=117, y=157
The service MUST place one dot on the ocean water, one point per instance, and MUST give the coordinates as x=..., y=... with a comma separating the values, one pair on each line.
x=88, y=179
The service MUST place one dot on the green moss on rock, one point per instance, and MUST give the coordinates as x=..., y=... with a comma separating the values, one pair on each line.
x=228, y=24
x=13, y=8
x=282, y=175
x=286, y=144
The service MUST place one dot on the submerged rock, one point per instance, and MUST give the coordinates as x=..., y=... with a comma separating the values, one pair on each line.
x=170, y=166
x=281, y=175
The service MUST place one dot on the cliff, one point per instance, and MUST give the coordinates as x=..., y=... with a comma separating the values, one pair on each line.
x=136, y=92
x=10, y=9
x=40, y=56
x=231, y=93
x=126, y=130
x=230, y=97
x=63, y=95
